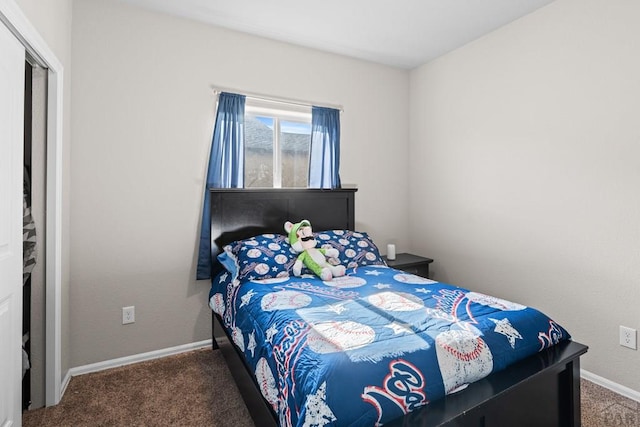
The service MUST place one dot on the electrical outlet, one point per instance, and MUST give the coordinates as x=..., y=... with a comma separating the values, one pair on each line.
x=628, y=337
x=128, y=315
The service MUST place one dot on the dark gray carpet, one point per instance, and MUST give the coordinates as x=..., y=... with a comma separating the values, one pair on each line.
x=602, y=408
x=190, y=389
x=196, y=389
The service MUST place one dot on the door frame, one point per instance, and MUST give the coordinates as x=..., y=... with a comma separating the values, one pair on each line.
x=15, y=20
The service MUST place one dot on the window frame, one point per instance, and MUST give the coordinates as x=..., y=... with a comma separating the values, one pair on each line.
x=279, y=111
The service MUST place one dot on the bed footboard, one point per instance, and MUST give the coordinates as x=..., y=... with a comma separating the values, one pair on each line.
x=542, y=390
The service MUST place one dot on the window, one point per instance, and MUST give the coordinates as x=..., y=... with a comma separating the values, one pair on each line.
x=277, y=137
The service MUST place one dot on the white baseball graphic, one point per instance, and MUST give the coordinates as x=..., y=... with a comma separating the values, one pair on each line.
x=396, y=301
x=370, y=256
x=463, y=358
x=238, y=338
x=274, y=246
x=284, y=300
x=261, y=269
x=412, y=279
x=217, y=304
x=345, y=282
x=280, y=259
x=494, y=302
x=253, y=253
x=331, y=337
x=350, y=253
x=267, y=382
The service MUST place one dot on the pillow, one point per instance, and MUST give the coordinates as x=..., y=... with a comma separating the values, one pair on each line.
x=261, y=257
x=354, y=248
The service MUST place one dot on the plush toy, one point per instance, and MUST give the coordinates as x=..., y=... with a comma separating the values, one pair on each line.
x=302, y=241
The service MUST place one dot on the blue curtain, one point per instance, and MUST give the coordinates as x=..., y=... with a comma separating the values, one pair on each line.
x=226, y=167
x=324, y=159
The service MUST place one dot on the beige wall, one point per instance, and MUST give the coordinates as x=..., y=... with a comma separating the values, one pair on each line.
x=522, y=164
x=53, y=21
x=143, y=113
x=524, y=170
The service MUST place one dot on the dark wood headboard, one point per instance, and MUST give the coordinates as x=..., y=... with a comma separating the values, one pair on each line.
x=242, y=213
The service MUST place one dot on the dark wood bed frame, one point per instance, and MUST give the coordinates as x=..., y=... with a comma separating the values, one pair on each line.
x=540, y=391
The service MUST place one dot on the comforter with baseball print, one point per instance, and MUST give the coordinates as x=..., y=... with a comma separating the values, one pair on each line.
x=369, y=347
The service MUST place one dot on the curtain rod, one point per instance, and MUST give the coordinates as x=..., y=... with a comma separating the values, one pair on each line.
x=217, y=90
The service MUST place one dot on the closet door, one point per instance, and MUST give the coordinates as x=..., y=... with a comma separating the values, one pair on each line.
x=11, y=147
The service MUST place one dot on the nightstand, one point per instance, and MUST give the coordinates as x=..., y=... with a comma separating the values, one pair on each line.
x=410, y=263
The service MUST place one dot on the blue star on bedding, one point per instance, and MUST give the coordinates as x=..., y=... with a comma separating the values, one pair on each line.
x=371, y=346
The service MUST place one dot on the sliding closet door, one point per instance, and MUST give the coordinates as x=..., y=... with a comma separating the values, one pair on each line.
x=11, y=147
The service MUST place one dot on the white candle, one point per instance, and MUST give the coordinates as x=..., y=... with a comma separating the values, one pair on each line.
x=391, y=251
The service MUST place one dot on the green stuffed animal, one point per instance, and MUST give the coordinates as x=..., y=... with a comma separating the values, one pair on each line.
x=304, y=243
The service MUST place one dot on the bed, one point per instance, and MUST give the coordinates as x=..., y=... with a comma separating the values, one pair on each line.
x=485, y=376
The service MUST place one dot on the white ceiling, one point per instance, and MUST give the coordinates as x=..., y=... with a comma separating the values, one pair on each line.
x=400, y=33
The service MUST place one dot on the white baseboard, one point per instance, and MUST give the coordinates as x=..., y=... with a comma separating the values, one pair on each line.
x=157, y=354
x=128, y=360
x=65, y=383
x=615, y=387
